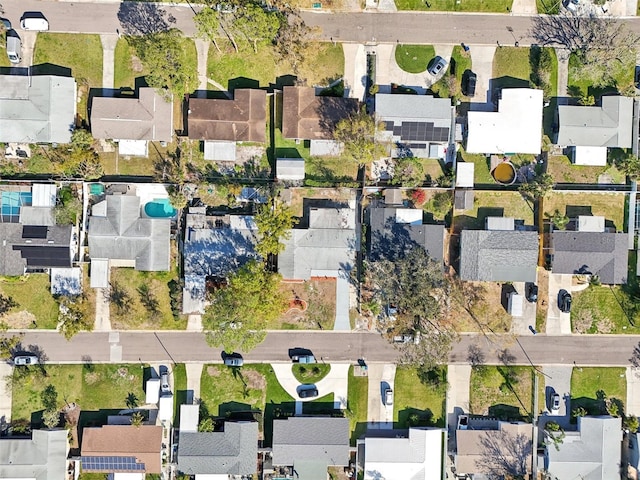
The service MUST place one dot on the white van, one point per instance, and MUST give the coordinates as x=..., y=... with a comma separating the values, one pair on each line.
x=14, y=46
x=34, y=21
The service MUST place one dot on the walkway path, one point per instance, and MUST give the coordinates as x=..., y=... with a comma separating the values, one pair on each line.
x=458, y=377
x=6, y=371
x=194, y=323
x=194, y=374
x=355, y=69
x=102, y=322
x=524, y=7
x=379, y=416
x=28, y=44
x=343, y=294
x=202, y=49
x=563, y=74
x=109, y=42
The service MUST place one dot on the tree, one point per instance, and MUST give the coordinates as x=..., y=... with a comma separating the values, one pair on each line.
x=68, y=207
x=559, y=219
x=239, y=312
x=408, y=172
x=629, y=164
x=75, y=316
x=440, y=205
x=208, y=25
x=6, y=303
x=256, y=24
x=538, y=187
x=8, y=344
x=206, y=425
x=164, y=54
x=631, y=423
x=78, y=158
x=292, y=42
x=49, y=397
x=358, y=134
x=137, y=419
x=275, y=221
x=554, y=433
x=602, y=47
x=579, y=412
x=51, y=418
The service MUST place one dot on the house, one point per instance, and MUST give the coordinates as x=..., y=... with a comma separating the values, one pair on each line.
x=122, y=449
x=591, y=453
x=133, y=121
x=214, y=246
x=499, y=254
x=324, y=248
x=290, y=169
x=414, y=454
x=419, y=125
x=37, y=108
x=515, y=128
x=591, y=130
x=119, y=235
x=494, y=448
x=309, y=445
x=41, y=457
x=233, y=451
x=590, y=250
x=220, y=123
x=306, y=116
x=395, y=230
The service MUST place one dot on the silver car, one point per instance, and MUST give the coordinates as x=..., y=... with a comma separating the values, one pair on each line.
x=21, y=360
x=437, y=66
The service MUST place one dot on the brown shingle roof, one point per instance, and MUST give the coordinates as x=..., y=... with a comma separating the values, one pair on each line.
x=243, y=119
x=143, y=442
x=148, y=117
x=307, y=116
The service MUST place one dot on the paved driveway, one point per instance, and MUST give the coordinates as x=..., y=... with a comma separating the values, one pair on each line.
x=520, y=325
x=6, y=371
x=380, y=416
x=558, y=323
x=632, y=405
x=482, y=66
x=558, y=380
x=336, y=381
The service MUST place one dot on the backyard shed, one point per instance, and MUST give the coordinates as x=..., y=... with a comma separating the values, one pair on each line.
x=516, y=304
x=290, y=169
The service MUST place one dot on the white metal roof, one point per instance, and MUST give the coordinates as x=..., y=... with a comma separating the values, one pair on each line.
x=594, y=156
x=464, y=174
x=221, y=151
x=135, y=148
x=43, y=195
x=591, y=223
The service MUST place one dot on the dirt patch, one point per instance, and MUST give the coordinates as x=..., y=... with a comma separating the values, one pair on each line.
x=92, y=377
x=254, y=380
x=213, y=371
x=543, y=298
x=136, y=64
x=486, y=314
x=23, y=319
x=336, y=196
x=319, y=296
x=71, y=414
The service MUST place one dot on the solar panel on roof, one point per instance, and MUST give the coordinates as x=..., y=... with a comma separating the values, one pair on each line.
x=34, y=231
x=111, y=464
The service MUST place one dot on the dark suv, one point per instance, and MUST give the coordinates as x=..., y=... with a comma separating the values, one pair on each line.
x=564, y=301
x=469, y=84
x=531, y=292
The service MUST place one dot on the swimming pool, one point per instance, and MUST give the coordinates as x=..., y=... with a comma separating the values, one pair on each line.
x=12, y=201
x=160, y=208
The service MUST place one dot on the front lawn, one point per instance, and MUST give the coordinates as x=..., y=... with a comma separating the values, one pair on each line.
x=494, y=204
x=127, y=66
x=36, y=306
x=572, y=204
x=512, y=67
x=578, y=85
x=419, y=401
x=310, y=373
x=498, y=6
x=563, y=171
x=598, y=310
x=81, y=53
x=414, y=58
x=357, y=404
x=590, y=386
x=91, y=386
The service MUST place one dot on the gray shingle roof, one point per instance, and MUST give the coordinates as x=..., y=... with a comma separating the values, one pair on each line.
x=232, y=452
x=500, y=256
x=41, y=457
x=591, y=453
x=121, y=234
x=598, y=253
x=37, y=108
x=390, y=239
x=608, y=125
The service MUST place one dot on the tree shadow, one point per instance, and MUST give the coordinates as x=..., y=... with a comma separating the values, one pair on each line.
x=504, y=455
x=141, y=18
x=505, y=412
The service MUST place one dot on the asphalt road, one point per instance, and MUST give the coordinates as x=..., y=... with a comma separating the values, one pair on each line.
x=178, y=347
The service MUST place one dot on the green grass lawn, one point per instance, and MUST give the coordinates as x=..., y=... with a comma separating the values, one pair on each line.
x=549, y=7
x=502, y=392
x=82, y=53
x=499, y=6
x=4, y=59
x=413, y=397
x=563, y=171
x=481, y=172
x=127, y=67
x=414, y=58
x=357, y=405
x=33, y=294
x=494, y=204
x=578, y=85
x=586, y=383
x=92, y=387
x=179, y=372
x=609, y=205
x=600, y=306
x=310, y=373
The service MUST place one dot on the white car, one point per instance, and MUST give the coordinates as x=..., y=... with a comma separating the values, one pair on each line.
x=20, y=360
x=388, y=396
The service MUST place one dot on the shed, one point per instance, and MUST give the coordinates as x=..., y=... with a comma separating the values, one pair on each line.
x=165, y=408
x=500, y=223
x=591, y=223
x=290, y=168
x=152, y=391
x=463, y=199
x=134, y=148
x=464, y=174
x=221, y=151
x=516, y=304
x=590, y=156
x=99, y=273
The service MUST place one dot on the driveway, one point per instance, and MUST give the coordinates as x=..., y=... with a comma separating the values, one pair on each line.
x=632, y=405
x=482, y=66
x=380, y=416
x=520, y=325
x=558, y=380
x=355, y=69
x=6, y=371
x=336, y=381
x=558, y=323
x=458, y=393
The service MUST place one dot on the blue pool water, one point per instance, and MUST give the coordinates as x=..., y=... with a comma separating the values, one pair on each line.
x=12, y=201
x=160, y=208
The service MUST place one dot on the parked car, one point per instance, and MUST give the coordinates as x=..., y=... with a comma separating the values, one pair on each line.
x=20, y=360
x=463, y=422
x=531, y=292
x=572, y=5
x=564, y=301
x=164, y=379
x=388, y=396
x=34, y=21
x=6, y=23
x=469, y=86
x=308, y=391
x=301, y=355
x=233, y=360
x=14, y=46
x=555, y=402
x=437, y=65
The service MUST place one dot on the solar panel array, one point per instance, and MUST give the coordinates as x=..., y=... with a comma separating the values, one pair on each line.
x=111, y=464
x=34, y=231
x=418, y=131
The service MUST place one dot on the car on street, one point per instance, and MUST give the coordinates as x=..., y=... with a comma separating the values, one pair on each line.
x=388, y=396
x=437, y=65
x=233, y=359
x=308, y=391
x=469, y=86
x=301, y=355
x=24, y=360
x=555, y=402
x=531, y=292
x=564, y=301
x=34, y=21
x=6, y=23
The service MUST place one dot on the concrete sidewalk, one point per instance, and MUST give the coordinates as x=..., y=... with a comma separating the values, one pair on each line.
x=6, y=371
x=632, y=404
x=109, y=42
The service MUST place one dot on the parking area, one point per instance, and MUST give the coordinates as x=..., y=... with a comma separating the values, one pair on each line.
x=482, y=65
x=557, y=379
x=379, y=415
x=520, y=324
x=558, y=323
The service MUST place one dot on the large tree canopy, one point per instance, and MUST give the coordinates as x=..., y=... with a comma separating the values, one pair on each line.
x=358, y=133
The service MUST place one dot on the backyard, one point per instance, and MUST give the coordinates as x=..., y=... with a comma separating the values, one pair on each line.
x=497, y=6
x=591, y=386
x=563, y=171
x=572, y=204
x=36, y=306
x=481, y=172
x=494, y=204
x=420, y=397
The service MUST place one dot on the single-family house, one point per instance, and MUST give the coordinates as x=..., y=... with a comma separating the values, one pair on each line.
x=121, y=235
x=418, y=125
x=220, y=123
x=591, y=250
x=515, y=128
x=309, y=445
x=499, y=254
x=214, y=247
x=414, y=454
x=41, y=457
x=122, y=449
x=133, y=121
x=591, y=130
x=494, y=448
x=307, y=116
x=37, y=108
x=590, y=453
x=395, y=230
